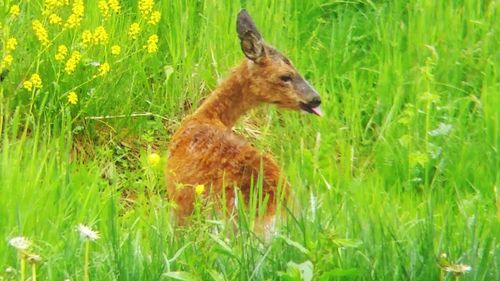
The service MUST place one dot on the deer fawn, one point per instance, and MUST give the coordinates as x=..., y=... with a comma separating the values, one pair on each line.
x=204, y=149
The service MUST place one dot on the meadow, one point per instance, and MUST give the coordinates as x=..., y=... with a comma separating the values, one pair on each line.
x=398, y=181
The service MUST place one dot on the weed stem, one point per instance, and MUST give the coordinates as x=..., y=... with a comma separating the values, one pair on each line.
x=86, y=261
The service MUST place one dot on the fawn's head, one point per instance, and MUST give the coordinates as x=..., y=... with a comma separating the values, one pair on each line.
x=274, y=78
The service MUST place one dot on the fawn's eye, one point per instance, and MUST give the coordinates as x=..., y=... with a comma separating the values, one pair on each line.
x=286, y=78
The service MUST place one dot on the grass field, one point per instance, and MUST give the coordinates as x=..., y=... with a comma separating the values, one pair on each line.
x=404, y=167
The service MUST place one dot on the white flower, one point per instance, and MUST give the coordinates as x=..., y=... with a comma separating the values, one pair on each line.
x=458, y=268
x=442, y=130
x=20, y=243
x=87, y=233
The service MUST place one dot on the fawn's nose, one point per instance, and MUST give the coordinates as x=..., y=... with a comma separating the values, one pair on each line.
x=316, y=101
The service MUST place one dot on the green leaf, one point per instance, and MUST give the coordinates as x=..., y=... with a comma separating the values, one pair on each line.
x=294, y=244
x=181, y=275
x=216, y=276
x=222, y=247
x=178, y=253
x=306, y=269
x=340, y=272
x=347, y=243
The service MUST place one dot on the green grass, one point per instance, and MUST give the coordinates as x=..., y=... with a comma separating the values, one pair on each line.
x=405, y=165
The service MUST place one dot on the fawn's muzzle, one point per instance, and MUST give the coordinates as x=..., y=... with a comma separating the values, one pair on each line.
x=310, y=99
x=312, y=106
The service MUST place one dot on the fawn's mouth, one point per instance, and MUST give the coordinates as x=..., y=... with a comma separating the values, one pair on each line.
x=314, y=110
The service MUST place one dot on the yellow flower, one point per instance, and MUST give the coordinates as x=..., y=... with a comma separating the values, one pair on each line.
x=62, y=51
x=104, y=8
x=153, y=159
x=6, y=62
x=114, y=5
x=104, y=69
x=199, y=189
x=11, y=44
x=87, y=37
x=134, y=30
x=28, y=85
x=116, y=50
x=75, y=18
x=152, y=45
x=73, y=21
x=72, y=62
x=36, y=81
x=78, y=8
x=154, y=18
x=145, y=6
x=50, y=5
x=61, y=3
x=40, y=32
x=15, y=10
x=55, y=19
x=100, y=35
x=72, y=97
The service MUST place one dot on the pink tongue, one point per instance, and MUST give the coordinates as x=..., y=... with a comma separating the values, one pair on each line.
x=317, y=111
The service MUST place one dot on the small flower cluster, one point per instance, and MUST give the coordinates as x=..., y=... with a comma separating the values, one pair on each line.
x=6, y=61
x=55, y=19
x=133, y=30
x=115, y=6
x=35, y=82
x=116, y=50
x=199, y=189
x=87, y=37
x=100, y=35
x=104, y=69
x=50, y=5
x=15, y=10
x=147, y=12
x=154, y=18
x=10, y=46
x=152, y=45
x=104, y=8
x=41, y=33
x=146, y=6
x=62, y=52
x=72, y=98
x=154, y=159
x=72, y=62
x=76, y=16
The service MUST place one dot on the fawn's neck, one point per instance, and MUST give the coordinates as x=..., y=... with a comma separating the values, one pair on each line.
x=230, y=100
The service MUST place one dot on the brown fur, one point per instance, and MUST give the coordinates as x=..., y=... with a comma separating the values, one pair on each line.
x=205, y=150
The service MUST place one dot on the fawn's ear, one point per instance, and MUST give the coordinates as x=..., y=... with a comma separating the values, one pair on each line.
x=250, y=38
